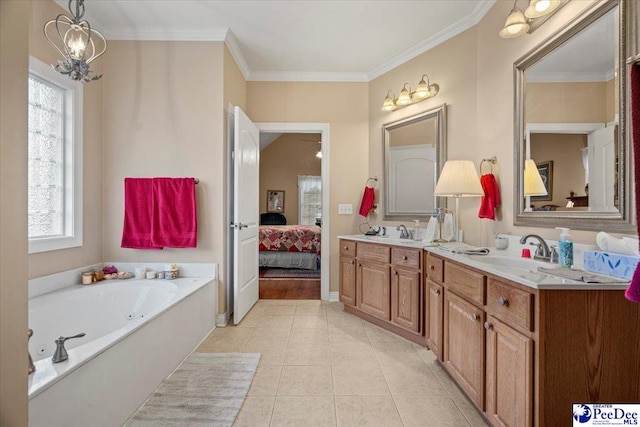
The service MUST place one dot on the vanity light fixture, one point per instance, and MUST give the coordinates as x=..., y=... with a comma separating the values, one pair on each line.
x=425, y=90
x=516, y=24
x=76, y=42
x=538, y=8
x=458, y=178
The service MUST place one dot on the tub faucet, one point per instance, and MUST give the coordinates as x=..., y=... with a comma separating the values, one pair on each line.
x=404, y=233
x=60, y=354
x=543, y=253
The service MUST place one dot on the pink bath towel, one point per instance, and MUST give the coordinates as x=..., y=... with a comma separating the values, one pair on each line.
x=138, y=214
x=174, y=219
x=633, y=292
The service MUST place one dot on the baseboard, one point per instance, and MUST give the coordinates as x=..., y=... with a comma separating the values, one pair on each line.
x=334, y=296
x=222, y=319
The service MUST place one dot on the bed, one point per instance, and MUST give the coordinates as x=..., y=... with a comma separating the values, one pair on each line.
x=289, y=246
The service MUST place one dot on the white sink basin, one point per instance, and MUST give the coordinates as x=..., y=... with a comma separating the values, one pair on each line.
x=508, y=262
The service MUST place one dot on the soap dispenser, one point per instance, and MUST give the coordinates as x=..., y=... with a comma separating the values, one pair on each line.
x=565, y=248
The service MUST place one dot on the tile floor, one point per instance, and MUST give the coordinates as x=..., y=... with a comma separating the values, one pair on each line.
x=321, y=366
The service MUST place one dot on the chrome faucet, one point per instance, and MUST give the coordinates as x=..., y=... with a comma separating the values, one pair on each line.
x=543, y=252
x=60, y=354
x=404, y=233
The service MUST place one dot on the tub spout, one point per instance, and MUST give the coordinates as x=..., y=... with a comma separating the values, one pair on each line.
x=61, y=353
x=32, y=367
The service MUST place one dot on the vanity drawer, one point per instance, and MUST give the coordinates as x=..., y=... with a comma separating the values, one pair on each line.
x=347, y=247
x=402, y=257
x=513, y=305
x=373, y=252
x=464, y=282
x=435, y=267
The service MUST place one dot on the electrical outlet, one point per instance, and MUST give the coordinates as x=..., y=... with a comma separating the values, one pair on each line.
x=345, y=209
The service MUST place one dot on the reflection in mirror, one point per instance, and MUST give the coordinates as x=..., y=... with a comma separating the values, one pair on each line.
x=569, y=121
x=413, y=155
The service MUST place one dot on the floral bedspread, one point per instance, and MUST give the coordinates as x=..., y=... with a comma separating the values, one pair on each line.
x=290, y=238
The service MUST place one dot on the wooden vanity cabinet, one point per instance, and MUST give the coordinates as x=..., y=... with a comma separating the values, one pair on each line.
x=434, y=302
x=384, y=285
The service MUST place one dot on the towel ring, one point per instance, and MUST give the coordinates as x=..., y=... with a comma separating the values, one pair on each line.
x=375, y=179
x=492, y=161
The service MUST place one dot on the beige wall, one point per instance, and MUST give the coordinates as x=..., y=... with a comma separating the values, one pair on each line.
x=91, y=250
x=345, y=107
x=162, y=118
x=568, y=171
x=281, y=162
x=14, y=66
x=583, y=102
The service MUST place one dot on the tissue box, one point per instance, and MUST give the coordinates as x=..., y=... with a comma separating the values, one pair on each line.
x=616, y=265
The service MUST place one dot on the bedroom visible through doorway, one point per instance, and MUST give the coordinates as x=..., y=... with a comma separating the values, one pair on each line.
x=290, y=203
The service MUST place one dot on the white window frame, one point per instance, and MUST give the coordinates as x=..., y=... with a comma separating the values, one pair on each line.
x=73, y=159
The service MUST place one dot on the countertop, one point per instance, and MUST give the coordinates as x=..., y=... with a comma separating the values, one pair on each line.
x=525, y=275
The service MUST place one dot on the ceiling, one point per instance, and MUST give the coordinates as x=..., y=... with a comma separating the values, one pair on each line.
x=338, y=40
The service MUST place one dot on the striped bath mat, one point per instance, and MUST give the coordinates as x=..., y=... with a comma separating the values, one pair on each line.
x=207, y=389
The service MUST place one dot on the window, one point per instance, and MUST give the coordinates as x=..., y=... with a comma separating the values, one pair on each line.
x=309, y=200
x=55, y=160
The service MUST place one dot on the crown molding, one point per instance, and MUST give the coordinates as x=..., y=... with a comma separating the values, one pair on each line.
x=449, y=32
x=306, y=76
x=232, y=43
x=162, y=34
x=570, y=77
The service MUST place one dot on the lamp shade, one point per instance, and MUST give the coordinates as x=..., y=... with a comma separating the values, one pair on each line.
x=533, y=185
x=515, y=26
x=459, y=178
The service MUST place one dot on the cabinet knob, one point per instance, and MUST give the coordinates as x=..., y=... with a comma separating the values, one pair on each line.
x=346, y=248
x=404, y=258
x=487, y=325
x=502, y=302
x=395, y=272
x=436, y=291
x=474, y=317
x=353, y=262
x=431, y=267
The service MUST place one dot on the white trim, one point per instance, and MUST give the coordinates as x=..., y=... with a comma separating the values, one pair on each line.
x=440, y=37
x=222, y=319
x=562, y=128
x=306, y=76
x=73, y=161
x=325, y=245
x=565, y=77
x=334, y=296
x=233, y=46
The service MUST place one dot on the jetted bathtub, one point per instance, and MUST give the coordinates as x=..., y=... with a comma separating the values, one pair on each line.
x=137, y=332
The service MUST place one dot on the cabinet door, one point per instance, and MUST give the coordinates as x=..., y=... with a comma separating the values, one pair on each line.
x=348, y=280
x=463, y=354
x=509, y=375
x=433, y=317
x=406, y=299
x=372, y=290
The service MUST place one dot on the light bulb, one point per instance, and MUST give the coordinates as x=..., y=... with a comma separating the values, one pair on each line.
x=423, y=89
x=76, y=42
x=543, y=5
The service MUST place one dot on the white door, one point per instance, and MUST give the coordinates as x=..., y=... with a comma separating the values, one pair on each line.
x=245, y=214
x=602, y=180
x=412, y=171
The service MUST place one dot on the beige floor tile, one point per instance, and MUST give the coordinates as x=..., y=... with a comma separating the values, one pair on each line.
x=307, y=354
x=359, y=380
x=470, y=412
x=265, y=381
x=334, y=308
x=447, y=383
x=271, y=332
x=270, y=321
x=279, y=310
x=378, y=335
x=345, y=322
x=412, y=380
x=271, y=353
x=309, y=302
x=429, y=411
x=310, y=322
x=225, y=346
x=311, y=310
x=426, y=354
x=266, y=302
x=309, y=336
x=297, y=411
x=249, y=321
x=258, y=340
x=337, y=335
x=343, y=353
x=306, y=381
x=255, y=412
x=374, y=411
x=396, y=354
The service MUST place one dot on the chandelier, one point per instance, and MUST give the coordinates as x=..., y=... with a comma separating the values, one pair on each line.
x=77, y=42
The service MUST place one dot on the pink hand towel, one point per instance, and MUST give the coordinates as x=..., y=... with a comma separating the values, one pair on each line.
x=367, y=201
x=138, y=214
x=633, y=291
x=175, y=222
